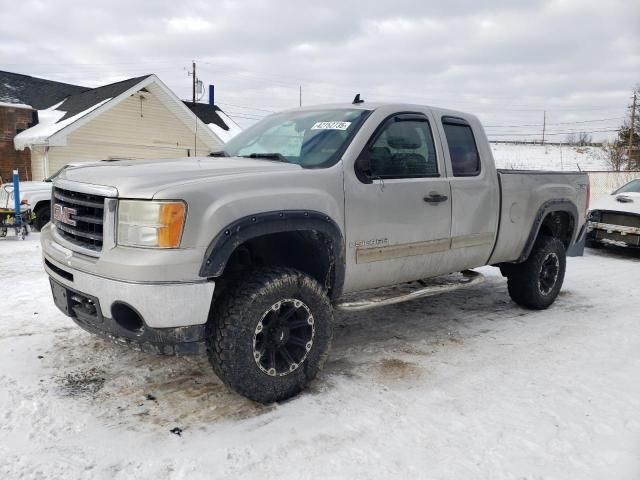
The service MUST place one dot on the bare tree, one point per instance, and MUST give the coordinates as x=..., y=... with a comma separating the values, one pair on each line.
x=614, y=153
x=583, y=139
x=571, y=139
x=629, y=134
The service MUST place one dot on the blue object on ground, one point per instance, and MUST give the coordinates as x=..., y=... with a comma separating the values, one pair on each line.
x=16, y=196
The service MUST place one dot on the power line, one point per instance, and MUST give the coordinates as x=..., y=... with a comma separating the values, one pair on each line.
x=547, y=133
x=247, y=107
x=573, y=130
x=237, y=115
x=557, y=123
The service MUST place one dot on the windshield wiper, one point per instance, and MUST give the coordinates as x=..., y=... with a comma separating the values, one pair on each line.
x=269, y=156
x=219, y=153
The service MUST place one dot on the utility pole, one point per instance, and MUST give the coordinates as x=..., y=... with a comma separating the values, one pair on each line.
x=633, y=120
x=544, y=124
x=300, y=95
x=193, y=75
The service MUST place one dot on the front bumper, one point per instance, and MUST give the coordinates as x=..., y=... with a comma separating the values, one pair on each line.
x=170, y=317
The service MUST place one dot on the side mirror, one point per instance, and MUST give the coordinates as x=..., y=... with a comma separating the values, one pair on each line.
x=363, y=164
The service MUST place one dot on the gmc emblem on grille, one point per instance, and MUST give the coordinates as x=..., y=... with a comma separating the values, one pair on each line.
x=63, y=214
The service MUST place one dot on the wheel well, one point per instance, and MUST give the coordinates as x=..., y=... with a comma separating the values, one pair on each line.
x=559, y=225
x=42, y=204
x=311, y=252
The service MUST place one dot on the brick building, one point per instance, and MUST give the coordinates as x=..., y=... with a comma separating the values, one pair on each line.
x=13, y=120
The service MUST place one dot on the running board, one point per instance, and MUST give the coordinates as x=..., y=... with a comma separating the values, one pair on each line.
x=378, y=297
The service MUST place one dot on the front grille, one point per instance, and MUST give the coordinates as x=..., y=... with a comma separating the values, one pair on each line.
x=614, y=218
x=84, y=226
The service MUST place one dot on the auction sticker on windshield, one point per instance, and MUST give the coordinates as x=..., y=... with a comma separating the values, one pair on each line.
x=331, y=126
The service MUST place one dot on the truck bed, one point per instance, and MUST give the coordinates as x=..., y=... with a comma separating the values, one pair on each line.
x=525, y=196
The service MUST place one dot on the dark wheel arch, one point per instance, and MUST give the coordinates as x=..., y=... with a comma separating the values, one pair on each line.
x=42, y=212
x=552, y=207
x=250, y=227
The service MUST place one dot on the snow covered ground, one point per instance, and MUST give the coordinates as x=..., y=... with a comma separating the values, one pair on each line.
x=462, y=386
x=548, y=157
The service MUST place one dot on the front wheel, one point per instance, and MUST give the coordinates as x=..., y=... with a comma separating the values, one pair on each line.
x=270, y=334
x=536, y=282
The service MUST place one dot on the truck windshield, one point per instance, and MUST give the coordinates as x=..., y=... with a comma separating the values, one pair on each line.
x=310, y=138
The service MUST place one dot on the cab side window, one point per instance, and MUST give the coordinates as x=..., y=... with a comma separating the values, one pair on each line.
x=403, y=149
x=465, y=160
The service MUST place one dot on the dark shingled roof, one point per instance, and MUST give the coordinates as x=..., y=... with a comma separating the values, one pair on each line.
x=41, y=93
x=207, y=113
x=37, y=92
x=87, y=99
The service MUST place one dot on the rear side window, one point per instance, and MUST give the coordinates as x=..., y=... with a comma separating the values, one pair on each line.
x=463, y=151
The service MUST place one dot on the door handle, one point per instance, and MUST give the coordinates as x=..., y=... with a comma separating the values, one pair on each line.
x=435, y=198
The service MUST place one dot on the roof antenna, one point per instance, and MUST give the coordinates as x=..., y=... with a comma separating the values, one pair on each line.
x=357, y=100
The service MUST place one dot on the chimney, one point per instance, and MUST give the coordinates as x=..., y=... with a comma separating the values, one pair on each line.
x=211, y=95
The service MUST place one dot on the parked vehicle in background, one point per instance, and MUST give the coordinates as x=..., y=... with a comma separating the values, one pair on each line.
x=249, y=251
x=615, y=219
x=37, y=195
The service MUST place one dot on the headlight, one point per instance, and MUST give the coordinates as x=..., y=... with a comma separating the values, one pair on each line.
x=151, y=224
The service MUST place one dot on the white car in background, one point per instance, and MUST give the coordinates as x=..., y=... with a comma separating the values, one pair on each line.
x=615, y=219
x=36, y=194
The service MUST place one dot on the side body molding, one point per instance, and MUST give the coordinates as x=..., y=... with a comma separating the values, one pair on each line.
x=235, y=234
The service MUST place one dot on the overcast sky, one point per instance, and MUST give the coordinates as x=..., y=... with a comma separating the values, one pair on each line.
x=506, y=61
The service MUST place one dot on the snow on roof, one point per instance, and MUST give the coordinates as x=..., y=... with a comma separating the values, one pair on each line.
x=15, y=105
x=225, y=135
x=38, y=92
x=52, y=119
x=50, y=123
x=59, y=105
x=217, y=121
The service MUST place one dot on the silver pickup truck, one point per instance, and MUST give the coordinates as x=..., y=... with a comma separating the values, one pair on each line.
x=246, y=253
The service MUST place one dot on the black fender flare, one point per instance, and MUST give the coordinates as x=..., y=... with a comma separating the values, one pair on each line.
x=236, y=233
x=550, y=206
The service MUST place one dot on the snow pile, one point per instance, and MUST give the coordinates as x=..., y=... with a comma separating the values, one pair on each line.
x=225, y=135
x=465, y=385
x=49, y=124
x=548, y=157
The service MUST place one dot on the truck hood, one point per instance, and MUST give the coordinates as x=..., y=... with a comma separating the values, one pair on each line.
x=621, y=202
x=142, y=179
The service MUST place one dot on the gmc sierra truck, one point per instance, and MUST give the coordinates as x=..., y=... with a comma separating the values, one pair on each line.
x=247, y=252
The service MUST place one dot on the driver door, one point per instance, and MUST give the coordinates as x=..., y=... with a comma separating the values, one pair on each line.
x=398, y=206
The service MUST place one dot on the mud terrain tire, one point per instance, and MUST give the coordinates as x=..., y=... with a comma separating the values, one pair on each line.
x=536, y=282
x=278, y=310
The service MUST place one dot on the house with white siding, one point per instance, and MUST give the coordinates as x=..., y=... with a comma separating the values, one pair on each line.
x=136, y=118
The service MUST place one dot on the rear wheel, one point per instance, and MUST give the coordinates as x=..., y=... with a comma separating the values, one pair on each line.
x=270, y=334
x=536, y=282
